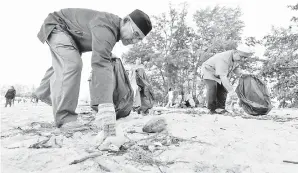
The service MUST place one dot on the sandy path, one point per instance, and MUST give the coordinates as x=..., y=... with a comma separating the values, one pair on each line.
x=229, y=144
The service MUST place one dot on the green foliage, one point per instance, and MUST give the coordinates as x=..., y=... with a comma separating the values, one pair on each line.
x=218, y=29
x=282, y=65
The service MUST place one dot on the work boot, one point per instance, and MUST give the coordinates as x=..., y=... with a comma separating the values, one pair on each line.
x=222, y=111
x=212, y=112
x=74, y=126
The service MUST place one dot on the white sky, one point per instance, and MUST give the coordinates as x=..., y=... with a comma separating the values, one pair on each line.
x=24, y=59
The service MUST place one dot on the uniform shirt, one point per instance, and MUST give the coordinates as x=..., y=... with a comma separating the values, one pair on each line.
x=91, y=30
x=219, y=64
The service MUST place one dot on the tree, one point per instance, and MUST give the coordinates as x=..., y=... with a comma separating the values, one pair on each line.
x=166, y=49
x=218, y=29
x=282, y=65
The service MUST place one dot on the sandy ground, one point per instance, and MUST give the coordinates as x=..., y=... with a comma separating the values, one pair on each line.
x=198, y=143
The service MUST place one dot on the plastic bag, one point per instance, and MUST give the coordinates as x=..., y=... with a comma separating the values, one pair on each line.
x=253, y=95
x=123, y=93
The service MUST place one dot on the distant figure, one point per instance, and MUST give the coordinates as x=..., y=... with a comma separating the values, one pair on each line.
x=34, y=99
x=10, y=96
x=189, y=101
x=145, y=91
x=134, y=85
x=170, y=98
x=143, y=94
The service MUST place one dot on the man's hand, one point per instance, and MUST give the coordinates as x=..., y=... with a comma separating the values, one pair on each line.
x=110, y=142
x=232, y=99
x=232, y=95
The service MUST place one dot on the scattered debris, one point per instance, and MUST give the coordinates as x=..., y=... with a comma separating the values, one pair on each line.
x=41, y=144
x=134, y=131
x=287, y=161
x=86, y=158
x=51, y=142
x=104, y=168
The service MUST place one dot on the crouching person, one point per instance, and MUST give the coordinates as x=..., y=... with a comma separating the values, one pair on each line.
x=216, y=72
x=71, y=32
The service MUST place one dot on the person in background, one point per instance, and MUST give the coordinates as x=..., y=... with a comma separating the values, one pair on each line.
x=143, y=94
x=145, y=88
x=216, y=72
x=189, y=101
x=10, y=96
x=170, y=98
x=133, y=82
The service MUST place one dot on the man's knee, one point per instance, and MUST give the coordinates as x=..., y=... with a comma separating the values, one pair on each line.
x=75, y=66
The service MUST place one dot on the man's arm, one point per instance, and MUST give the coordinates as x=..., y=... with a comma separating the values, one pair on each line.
x=222, y=70
x=103, y=41
x=226, y=83
x=6, y=94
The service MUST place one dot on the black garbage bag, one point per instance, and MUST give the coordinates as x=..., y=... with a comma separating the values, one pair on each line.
x=146, y=93
x=123, y=93
x=253, y=95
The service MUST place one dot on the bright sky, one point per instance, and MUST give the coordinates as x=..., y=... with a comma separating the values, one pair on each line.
x=24, y=59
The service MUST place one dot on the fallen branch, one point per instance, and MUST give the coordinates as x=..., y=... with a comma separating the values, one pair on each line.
x=159, y=168
x=11, y=147
x=104, y=168
x=177, y=139
x=79, y=129
x=133, y=131
x=287, y=161
x=293, y=67
x=41, y=144
x=86, y=157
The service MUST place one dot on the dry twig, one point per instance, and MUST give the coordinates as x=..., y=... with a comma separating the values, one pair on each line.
x=86, y=157
x=288, y=161
x=41, y=144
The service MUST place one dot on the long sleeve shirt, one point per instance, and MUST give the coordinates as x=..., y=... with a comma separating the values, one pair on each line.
x=91, y=30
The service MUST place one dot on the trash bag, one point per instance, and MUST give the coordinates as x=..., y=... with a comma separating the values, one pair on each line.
x=253, y=95
x=146, y=93
x=123, y=93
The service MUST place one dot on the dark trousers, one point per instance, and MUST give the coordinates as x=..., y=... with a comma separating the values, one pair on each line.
x=61, y=84
x=8, y=102
x=216, y=95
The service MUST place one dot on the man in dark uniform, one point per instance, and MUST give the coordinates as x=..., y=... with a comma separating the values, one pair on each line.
x=10, y=96
x=71, y=32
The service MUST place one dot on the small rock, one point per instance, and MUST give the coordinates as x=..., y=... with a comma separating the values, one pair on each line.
x=113, y=147
x=151, y=148
x=155, y=125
